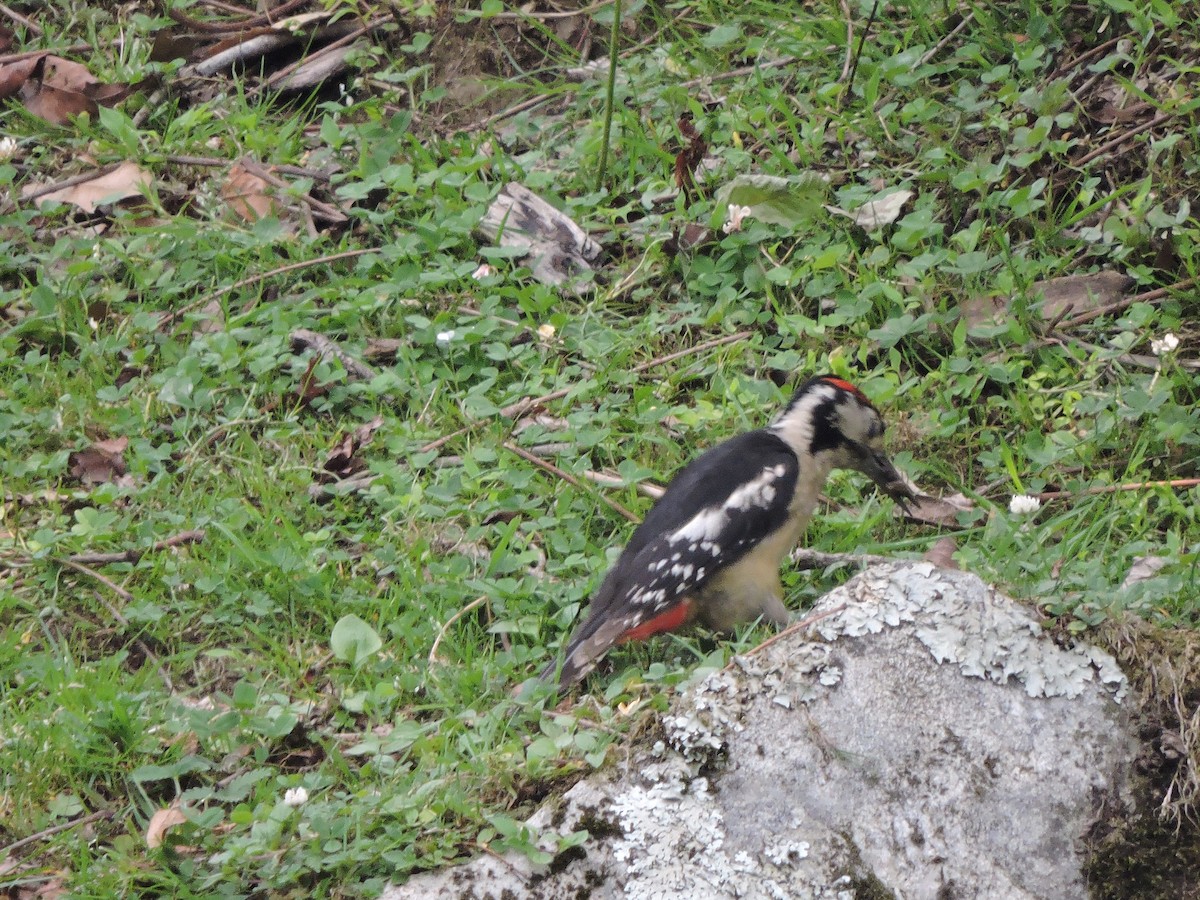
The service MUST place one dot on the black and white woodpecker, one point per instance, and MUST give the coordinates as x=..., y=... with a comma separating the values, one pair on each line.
x=711, y=547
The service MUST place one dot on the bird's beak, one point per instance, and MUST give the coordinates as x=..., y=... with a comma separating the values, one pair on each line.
x=876, y=465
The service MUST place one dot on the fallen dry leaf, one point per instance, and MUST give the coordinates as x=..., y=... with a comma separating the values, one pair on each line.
x=937, y=510
x=57, y=89
x=101, y=463
x=1143, y=569
x=67, y=75
x=162, y=822
x=876, y=213
x=248, y=195
x=125, y=181
x=556, y=248
x=343, y=461
x=14, y=74
x=55, y=105
x=382, y=350
x=1068, y=295
x=941, y=554
x=50, y=890
x=1074, y=294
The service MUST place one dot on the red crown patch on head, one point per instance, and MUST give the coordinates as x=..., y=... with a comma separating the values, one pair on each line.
x=845, y=386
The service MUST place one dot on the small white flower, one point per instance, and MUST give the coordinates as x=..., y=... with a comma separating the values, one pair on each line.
x=8, y=148
x=546, y=332
x=1167, y=344
x=734, y=221
x=445, y=337
x=296, y=796
x=483, y=271
x=1024, y=505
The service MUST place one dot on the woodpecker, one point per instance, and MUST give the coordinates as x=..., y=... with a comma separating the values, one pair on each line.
x=711, y=547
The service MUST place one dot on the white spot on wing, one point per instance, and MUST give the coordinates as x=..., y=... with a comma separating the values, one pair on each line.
x=706, y=526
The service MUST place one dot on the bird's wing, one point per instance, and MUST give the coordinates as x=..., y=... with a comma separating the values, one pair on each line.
x=716, y=510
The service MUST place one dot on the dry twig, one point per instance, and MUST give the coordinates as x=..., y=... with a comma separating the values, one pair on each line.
x=134, y=554
x=567, y=477
x=1176, y=484
x=445, y=629
x=53, y=830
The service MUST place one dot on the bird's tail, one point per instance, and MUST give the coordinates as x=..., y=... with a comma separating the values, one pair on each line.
x=586, y=648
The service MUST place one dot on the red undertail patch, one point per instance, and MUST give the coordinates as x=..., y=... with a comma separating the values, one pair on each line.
x=678, y=615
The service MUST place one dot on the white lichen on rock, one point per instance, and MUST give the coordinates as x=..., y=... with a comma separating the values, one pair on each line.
x=896, y=745
x=984, y=633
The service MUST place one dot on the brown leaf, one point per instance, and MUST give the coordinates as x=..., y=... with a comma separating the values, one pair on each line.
x=343, y=461
x=248, y=195
x=310, y=389
x=101, y=463
x=175, y=43
x=941, y=554
x=125, y=181
x=1068, y=295
x=937, y=510
x=67, y=75
x=1073, y=294
x=6, y=38
x=210, y=318
x=56, y=90
x=13, y=75
x=382, y=350
x=50, y=890
x=162, y=822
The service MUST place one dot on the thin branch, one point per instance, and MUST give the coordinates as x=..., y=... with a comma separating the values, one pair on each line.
x=940, y=45
x=325, y=211
x=134, y=554
x=287, y=71
x=53, y=830
x=1125, y=302
x=150, y=655
x=1084, y=57
x=24, y=20
x=326, y=347
x=806, y=622
x=858, y=53
x=1122, y=138
x=434, y=659
x=527, y=403
x=61, y=51
x=569, y=478
x=546, y=16
x=71, y=182
x=104, y=580
x=690, y=351
x=848, y=15
x=238, y=25
x=1175, y=484
x=175, y=316
x=739, y=73
x=653, y=491
x=220, y=163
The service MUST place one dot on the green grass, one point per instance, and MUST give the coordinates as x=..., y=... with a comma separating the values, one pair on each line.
x=220, y=686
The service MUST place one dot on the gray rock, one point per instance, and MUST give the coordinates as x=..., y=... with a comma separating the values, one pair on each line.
x=923, y=738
